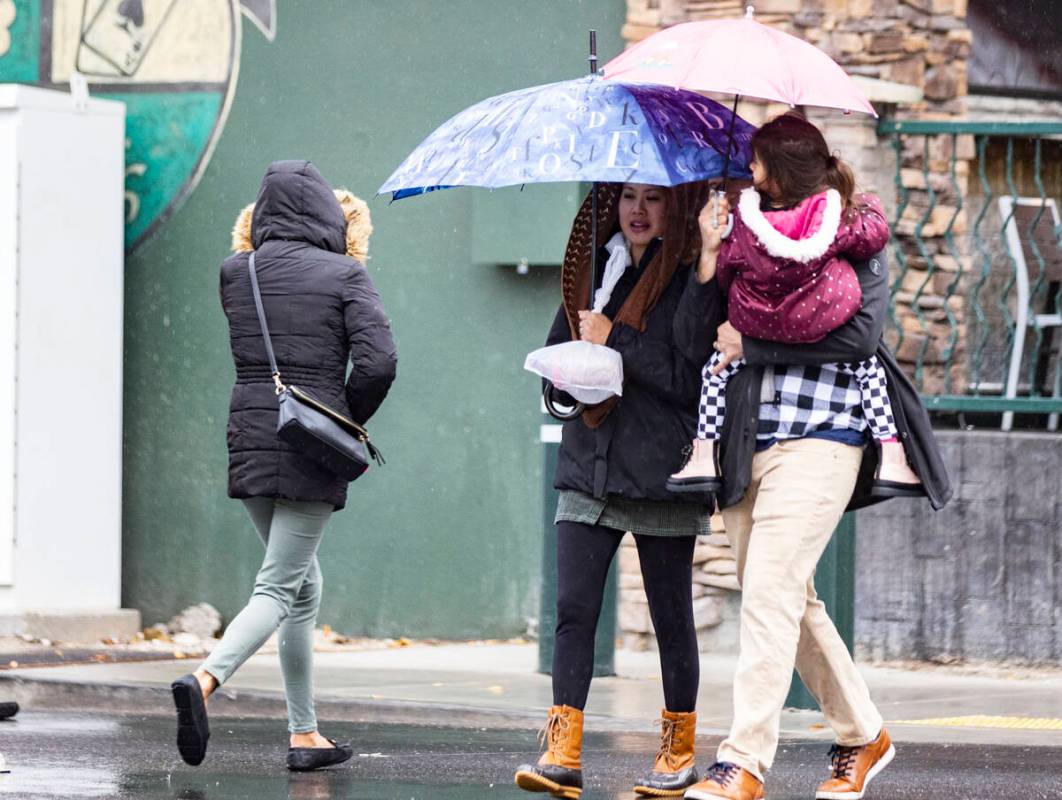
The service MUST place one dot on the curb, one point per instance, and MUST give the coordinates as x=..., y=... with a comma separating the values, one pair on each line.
x=48, y=694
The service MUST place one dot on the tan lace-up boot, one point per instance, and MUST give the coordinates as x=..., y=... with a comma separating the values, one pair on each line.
x=559, y=770
x=673, y=771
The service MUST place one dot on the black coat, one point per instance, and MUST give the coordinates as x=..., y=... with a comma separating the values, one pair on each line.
x=322, y=310
x=636, y=448
x=856, y=340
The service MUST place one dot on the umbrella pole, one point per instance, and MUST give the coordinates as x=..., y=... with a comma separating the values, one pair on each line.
x=547, y=392
x=730, y=141
x=593, y=244
x=593, y=192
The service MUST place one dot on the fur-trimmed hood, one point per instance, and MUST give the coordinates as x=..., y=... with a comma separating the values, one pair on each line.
x=355, y=211
x=803, y=233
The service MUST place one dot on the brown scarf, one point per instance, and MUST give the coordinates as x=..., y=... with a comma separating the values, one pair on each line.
x=681, y=245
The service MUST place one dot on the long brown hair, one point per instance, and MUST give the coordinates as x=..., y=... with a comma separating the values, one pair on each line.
x=798, y=161
x=681, y=245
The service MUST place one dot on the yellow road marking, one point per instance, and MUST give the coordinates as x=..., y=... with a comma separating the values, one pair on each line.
x=986, y=721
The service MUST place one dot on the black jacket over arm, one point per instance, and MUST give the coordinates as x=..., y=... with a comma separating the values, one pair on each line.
x=322, y=310
x=856, y=340
x=636, y=448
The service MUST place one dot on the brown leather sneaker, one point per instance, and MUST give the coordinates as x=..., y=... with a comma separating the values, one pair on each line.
x=728, y=781
x=854, y=767
x=673, y=772
x=559, y=770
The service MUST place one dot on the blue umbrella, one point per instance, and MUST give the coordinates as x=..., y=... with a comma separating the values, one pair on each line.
x=587, y=129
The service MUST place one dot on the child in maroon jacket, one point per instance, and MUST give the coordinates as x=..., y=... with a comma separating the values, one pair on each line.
x=786, y=269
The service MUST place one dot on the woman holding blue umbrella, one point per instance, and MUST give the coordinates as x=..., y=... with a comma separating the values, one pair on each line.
x=649, y=151
x=615, y=459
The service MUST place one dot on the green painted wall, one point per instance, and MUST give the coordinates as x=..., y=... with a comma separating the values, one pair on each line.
x=444, y=540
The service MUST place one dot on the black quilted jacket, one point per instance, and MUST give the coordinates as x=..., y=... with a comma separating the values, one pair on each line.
x=322, y=310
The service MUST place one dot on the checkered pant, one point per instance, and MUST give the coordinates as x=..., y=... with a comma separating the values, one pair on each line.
x=712, y=407
x=873, y=396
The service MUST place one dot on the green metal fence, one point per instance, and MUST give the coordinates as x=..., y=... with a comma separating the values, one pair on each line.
x=976, y=295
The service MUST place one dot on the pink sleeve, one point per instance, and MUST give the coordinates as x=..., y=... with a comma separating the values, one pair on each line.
x=864, y=230
x=729, y=261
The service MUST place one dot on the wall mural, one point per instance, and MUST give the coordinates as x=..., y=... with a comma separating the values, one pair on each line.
x=174, y=63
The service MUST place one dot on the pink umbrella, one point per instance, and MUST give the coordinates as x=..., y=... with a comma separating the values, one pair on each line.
x=740, y=57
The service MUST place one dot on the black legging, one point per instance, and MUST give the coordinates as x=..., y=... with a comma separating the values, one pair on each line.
x=584, y=553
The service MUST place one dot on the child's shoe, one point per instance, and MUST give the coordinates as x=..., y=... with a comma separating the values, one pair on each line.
x=700, y=472
x=894, y=476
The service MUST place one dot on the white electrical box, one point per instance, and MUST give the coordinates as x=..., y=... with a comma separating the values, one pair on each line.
x=62, y=172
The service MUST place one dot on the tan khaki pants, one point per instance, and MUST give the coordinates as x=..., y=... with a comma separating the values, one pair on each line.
x=799, y=490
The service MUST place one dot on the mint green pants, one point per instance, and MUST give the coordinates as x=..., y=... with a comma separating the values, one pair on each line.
x=286, y=596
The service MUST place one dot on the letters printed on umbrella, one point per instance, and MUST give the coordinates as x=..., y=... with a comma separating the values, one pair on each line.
x=586, y=129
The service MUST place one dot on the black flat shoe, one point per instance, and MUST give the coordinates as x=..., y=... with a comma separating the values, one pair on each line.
x=304, y=759
x=8, y=710
x=694, y=485
x=193, y=730
x=896, y=489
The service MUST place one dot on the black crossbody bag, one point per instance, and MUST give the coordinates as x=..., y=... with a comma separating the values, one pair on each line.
x=320, y=433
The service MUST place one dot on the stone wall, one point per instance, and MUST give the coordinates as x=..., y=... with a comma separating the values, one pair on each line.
x=715, y=598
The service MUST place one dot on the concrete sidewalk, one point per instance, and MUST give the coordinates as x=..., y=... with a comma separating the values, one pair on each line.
x=497, y=684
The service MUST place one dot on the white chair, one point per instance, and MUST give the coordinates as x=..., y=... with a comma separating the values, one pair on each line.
x=1018, y=216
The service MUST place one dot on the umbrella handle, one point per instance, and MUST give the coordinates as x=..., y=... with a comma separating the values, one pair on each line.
x=715, y=212
x=552, y=408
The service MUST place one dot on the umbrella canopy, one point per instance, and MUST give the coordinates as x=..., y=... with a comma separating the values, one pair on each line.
x=741, y=57
x=587, y=129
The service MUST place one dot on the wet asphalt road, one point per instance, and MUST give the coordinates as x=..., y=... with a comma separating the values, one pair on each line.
x=89, y=755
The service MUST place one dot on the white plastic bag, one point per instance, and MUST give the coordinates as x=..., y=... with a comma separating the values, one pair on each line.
x=591, y=373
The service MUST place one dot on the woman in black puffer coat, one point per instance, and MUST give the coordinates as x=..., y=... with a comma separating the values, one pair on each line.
x=322, y=310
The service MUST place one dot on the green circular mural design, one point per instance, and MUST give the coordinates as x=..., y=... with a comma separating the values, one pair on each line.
x=174, y=63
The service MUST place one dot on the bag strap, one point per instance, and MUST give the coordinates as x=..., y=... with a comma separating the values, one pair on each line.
x=358, y=430
x=274, y=369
